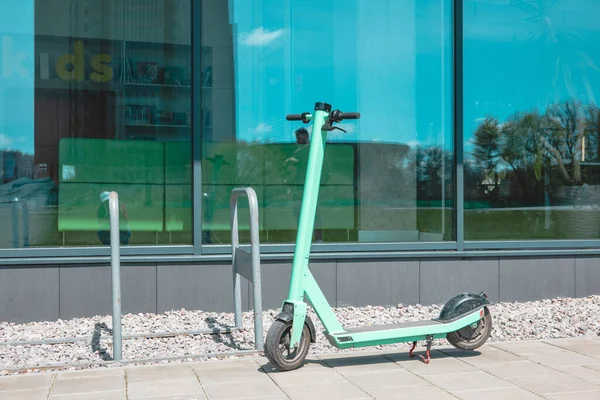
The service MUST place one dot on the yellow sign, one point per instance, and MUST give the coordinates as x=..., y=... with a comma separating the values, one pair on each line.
x=76, y=61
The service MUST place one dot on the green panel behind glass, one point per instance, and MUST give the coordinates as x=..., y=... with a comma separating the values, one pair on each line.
x=284, y=164
x=236, y=164
x=178, y=163
x=111, y=161
x=215, y=208
x=335, y=207
x=79, y=203
x=154, y=182
x=178, y=208
x=134, y=169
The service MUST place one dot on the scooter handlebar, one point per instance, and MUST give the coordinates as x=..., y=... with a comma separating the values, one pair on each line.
x=335, y=115
x=338, y=116
x=350, y=115
x=304, y=117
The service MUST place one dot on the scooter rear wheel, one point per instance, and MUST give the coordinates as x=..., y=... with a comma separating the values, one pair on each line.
x=277, y=346
x=470, y=338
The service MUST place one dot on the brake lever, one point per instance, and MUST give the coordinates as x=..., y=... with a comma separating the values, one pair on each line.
x=328, y=126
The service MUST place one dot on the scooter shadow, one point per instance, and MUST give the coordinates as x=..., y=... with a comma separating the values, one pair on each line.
x=308, y=364
x=436, y=354
x=457, y=353
x=340, y=360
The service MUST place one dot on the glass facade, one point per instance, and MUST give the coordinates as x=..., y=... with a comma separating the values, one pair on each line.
x=173, y=103
x=531, y=78
x=99, y=99
x=389, y=177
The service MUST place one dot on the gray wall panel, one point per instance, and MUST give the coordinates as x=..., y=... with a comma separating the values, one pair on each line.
x=530, y=279
x=388, y=283
x=138, y=288
x=587, y=276
x=197, y=287
x=86, y=291
x=325, y=274
x=51, y=292
x=276, y=282
x=29, y=294
x=443, y=279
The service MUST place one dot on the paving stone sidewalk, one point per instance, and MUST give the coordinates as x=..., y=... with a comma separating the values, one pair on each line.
x=560, y=369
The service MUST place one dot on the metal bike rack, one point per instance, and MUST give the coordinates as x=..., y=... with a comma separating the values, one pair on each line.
x=246, y=264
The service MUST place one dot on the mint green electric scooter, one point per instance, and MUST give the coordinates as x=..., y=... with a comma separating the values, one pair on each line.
x=464, y=320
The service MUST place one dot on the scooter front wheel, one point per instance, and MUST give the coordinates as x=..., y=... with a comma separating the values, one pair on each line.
x=277, y=346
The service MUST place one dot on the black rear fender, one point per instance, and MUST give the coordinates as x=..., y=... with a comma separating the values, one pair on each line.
x=462, y=304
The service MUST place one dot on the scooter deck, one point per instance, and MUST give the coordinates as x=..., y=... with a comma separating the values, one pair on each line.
x=402, y=332
x=410, y=324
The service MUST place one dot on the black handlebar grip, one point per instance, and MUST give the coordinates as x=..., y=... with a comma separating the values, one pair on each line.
x=351, y=115
x=294, y=117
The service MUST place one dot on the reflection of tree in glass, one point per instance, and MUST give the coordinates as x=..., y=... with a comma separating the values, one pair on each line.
x=565, y=49
x=528, y=143
x=487, y=147
x=430, y=163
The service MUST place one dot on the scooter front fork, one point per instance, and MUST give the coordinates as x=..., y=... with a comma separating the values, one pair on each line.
x=299, y=310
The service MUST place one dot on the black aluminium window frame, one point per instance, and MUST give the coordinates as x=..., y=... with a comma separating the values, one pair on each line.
x=457, y=116
x=197, y=126
x=198, y=251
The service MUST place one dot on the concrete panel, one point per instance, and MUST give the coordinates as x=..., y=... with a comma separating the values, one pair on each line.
x=29, y=294
x=527, y=279
x=385, y=283
x=587, y=276
x=86, y=291
x=276, y=282
x=206, y=287
x=443, y=279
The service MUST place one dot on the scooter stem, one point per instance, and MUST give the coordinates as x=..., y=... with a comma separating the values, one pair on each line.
x=309, y=202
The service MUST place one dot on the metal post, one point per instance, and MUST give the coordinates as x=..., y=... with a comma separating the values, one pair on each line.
x=115, y=263
x=235, y=241
x=256, y=273
x=240, y=266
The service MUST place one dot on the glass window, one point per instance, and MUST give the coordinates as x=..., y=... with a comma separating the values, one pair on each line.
x=94, y=97
x=531, y=122
x=389, y=178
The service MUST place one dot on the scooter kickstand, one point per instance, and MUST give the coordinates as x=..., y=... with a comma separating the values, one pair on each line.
x=428, y=353
x=410, y=353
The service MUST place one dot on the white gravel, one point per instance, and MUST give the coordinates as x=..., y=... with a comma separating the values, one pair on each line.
x=556, y=318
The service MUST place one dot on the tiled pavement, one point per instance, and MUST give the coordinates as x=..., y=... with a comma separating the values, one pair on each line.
x=557, y=370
